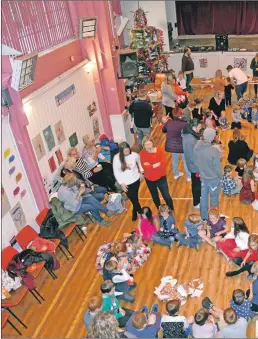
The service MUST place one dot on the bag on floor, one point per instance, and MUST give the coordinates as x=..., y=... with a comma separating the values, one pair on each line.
x=115, y=203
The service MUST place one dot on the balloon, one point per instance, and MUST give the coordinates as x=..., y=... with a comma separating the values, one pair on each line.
x=11, y=159
x=11, y=170
x=18, y=177
x=16, y=191
x=7, y=152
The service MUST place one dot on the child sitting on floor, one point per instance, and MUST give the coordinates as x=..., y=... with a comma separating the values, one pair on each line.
x=174, y=325
x=241, y=305
x=248, y=186
x=204, y=325
x=255, y=115
x=230, y=185
x=167, y=231
x=223, y=121
x=253, y=297
x=197, y=112
x=187, y=111
x=208, y=120
x=214, y=228
x=94, y=306
x=241, y=165
x=236, y=118
x=147, y=224
x=247, y=102
x=191, y=237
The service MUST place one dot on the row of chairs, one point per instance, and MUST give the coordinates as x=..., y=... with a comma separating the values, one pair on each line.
x=23, y=238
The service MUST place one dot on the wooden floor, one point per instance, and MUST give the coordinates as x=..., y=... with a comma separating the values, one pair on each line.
x=60, y=316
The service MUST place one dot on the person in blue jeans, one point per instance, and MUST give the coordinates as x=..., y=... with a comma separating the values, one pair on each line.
x=74, y=201
x=144, y=325
x=207, y=160
x=241, y=80
x=190, y=237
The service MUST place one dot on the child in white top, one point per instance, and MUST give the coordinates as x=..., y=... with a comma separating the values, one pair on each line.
x=181, y=81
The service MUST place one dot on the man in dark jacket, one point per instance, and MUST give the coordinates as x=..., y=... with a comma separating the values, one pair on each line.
x=174, y=145
x=142, y=113
x=207, y=160
x=190, y=138
x=187, y=67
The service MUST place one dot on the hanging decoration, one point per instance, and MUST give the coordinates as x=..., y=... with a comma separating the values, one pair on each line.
x=7, y=152
x=148, y=42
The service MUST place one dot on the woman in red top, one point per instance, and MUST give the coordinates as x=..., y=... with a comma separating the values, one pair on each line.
x=153, y=161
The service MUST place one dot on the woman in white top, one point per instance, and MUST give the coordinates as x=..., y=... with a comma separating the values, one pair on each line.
x=128, y=173
x=168, y=96
x=235, y=244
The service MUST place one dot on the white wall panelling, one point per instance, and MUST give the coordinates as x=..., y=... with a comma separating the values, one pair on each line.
x=156, y=16
x=216, y=60
x=42, y=111
x=28, y=203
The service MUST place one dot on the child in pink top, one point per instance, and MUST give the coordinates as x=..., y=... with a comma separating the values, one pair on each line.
x=147, y=224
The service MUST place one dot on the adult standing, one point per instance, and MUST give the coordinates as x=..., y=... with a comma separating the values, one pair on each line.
x=174, y=142
x=190, y=137
x=254, y=67
x=207, y=159
x=241, y=80
x=142, y=113
x=153, y=161
x=187, y=67
x=238, y=149
x=129, y=172
x=168, y=96
x=217, y=105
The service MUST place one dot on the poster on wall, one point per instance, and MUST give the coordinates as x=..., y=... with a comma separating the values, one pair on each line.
x=5, y=204
x=59, y=129
x=59, y=156
x=49, y=138
x=38, y=146
x=203, y=62
x=95, y=123
x=65, y=95
x=52, y=164
x=240, y=63
x=18, y=216
x=92, y=108
x=73, y=140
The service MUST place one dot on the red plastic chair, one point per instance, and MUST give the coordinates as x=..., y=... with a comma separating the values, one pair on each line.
x=7, y=255
x=5, y=319
x=28, y=234
x=67, y=230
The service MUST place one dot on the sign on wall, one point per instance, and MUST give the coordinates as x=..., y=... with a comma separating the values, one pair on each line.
x=65, y=95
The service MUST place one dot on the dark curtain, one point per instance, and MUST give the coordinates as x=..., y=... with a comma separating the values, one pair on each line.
x=212, y=17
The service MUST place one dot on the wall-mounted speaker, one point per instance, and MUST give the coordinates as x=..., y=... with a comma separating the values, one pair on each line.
x=128, y=65
x=221, y=42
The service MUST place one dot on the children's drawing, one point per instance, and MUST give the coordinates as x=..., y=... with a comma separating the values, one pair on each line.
x=39, y=147
x=59, y=129
x=18, y=216
x=49, y=138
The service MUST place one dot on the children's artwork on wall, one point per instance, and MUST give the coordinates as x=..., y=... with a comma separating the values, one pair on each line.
x=47, y=184
x=18, y=216
x=7, y=152
x=11, y=159
x=12, y=170
x=18, y=177
x=203, y=62
x=16, y=191
x=95, y=123
x=240, y=63
x=73, y=140
x=49, y=138
x=92, y=108
x=38, y=146
x=5, y=204
x=59, y=156
x=23, y=193
x=52, y=164
x=59, y=129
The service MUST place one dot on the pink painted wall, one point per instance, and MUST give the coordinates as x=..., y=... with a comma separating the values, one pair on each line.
x=53, y=64
x=18, y=122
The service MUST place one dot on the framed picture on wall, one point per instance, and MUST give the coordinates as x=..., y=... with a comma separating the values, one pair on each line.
x=73, y=140
x=38, y=146
x=49, y=138
x=59, y=129
x=18, y=216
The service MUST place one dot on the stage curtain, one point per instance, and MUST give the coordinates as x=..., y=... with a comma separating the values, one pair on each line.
x=212, y=17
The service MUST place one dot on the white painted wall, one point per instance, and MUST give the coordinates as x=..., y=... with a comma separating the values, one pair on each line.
x=216, y=60
x=156, y=16
x=9, y=184
x=42, y=111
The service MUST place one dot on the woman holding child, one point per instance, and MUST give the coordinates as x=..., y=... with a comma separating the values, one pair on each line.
x=217, y=105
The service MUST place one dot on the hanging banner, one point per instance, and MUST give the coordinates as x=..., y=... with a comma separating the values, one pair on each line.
x=65, y=95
